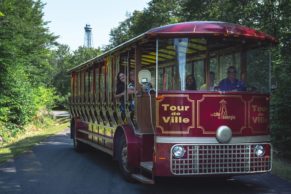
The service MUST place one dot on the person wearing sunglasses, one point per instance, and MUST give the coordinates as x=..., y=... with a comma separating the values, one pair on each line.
x=231, y=83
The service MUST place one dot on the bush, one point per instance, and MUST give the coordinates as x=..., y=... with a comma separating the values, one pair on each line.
x=44, y=98
x=61, y=102
x=21, y=102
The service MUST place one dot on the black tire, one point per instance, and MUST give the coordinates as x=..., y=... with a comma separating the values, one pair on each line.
x=122, y=159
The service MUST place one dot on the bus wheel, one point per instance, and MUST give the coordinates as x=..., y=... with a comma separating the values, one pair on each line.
x=123, y=159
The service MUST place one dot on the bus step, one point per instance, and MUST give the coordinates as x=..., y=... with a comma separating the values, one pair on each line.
x=148, y=166
x=143, y=179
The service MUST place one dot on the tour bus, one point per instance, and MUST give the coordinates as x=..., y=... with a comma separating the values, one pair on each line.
x=181, y=100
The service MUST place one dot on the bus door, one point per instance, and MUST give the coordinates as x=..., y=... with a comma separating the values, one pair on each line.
x=145, y=103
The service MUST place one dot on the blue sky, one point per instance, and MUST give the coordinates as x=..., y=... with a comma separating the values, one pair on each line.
x=69, y=17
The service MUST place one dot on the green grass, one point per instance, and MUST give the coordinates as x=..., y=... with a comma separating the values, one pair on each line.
x=282, y=168
x=29, y=138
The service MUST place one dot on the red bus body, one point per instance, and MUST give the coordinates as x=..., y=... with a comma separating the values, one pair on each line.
x=177, y=132
x=199, y=117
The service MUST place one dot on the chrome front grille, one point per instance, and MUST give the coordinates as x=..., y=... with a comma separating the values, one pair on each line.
x=219, y=159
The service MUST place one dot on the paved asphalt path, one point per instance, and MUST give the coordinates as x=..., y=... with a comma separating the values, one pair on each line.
x=53, y=167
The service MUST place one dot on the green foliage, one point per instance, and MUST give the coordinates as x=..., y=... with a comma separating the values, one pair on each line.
x=159, y=12
x=44, y=98
x=9, y=130
x=61, y=60
x=17, y=98
x=24, y=67
x=61, y=103
x=281, y=101
x=83, y=54
x=29, y=68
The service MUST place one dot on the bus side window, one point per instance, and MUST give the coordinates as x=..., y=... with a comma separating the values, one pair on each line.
x=199, y=73
x=131, y=89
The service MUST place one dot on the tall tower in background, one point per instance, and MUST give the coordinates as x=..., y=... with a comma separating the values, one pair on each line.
x=88, y=36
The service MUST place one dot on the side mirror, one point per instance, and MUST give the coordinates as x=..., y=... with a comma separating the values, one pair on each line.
x=144, y=76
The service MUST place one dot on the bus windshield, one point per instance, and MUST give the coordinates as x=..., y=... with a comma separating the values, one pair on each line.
x=202, y=64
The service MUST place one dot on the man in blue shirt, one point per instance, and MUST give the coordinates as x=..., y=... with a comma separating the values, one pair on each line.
x=231, y=83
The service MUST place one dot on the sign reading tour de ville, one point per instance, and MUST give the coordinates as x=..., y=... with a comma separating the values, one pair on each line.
x=259, y=113
x=175, y=112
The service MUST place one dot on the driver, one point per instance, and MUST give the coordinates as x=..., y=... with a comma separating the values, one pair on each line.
x=231, y=83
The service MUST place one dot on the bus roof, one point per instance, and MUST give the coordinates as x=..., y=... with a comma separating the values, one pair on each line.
x=193, y=29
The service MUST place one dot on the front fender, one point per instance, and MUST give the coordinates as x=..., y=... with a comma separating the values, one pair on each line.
x=133, y=144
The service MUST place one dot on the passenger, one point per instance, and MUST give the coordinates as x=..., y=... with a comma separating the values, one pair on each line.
x=131, y=89
x=131, y=84
x=190, y=83
x=146, y=84
x=211, y=84
x=231, y=83
x=120, y=90
x=147, y=87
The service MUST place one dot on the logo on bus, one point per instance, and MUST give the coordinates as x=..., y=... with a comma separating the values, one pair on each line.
x=222, y=112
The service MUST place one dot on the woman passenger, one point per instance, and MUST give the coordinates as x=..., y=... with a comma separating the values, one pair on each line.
x=190, y=83
x=131, y=89
x=120, y=90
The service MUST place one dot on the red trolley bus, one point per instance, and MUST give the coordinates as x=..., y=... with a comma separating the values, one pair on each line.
x=185, y=99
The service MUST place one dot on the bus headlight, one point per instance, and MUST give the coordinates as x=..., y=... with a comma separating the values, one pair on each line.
x=178, y=151
x=259, y=150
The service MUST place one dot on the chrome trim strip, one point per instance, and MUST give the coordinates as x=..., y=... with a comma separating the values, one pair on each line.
x=212, y=140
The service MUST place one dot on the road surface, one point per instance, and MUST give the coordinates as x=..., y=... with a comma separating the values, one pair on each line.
x=53, y=167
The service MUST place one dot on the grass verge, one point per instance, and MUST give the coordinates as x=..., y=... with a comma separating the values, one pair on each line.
x=32, y=135
x=282, y=168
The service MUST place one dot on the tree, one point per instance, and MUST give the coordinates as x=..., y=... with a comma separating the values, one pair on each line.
x=24, y=48
x=83, y=54
x=62, y=59
x=281, y=99
x=61, y=62
x=159, y=12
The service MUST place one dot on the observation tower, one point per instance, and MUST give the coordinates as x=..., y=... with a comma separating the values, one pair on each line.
x=88, y=36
